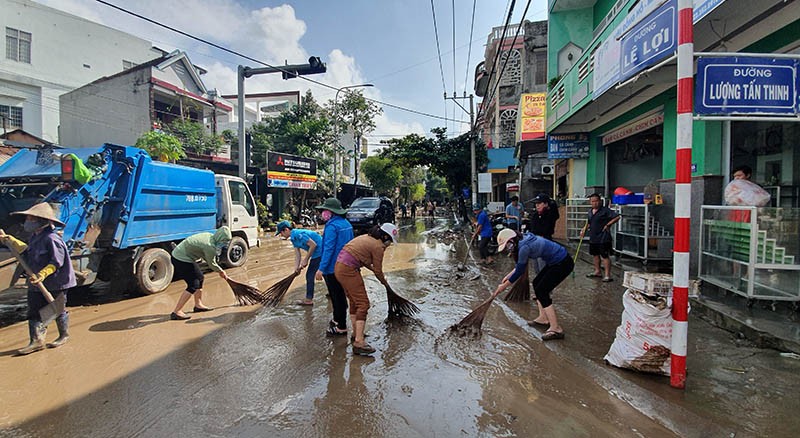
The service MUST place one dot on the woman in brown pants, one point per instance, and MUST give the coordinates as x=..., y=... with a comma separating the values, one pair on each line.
x=363, y=251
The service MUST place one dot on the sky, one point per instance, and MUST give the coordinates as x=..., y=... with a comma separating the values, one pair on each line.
x=388, y=43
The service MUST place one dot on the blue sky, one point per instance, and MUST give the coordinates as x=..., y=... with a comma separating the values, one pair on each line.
x=390, y=43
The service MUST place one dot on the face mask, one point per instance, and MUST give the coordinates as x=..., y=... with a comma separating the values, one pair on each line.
x=32, y=225
x=326, y=215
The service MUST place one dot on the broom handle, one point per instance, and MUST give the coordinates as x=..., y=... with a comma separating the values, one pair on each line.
x=47, y=295
x=468, y=247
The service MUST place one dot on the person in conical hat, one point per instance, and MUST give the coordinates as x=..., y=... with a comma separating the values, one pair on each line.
x=48, y=257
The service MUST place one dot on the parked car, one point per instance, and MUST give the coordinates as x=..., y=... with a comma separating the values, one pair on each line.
x=365, y=212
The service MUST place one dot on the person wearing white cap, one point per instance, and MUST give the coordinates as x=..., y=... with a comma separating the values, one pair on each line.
x=48, y=257
x=363, y=251
x=558, y=266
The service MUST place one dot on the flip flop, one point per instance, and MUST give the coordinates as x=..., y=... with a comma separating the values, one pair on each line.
x=303, y=303
x=551, y=336
x=538, y=324
x=593, y=275
x=203, y=309
x=366, y=350
x=607, y=280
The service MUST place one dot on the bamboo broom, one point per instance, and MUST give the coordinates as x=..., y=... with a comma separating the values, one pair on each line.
x=520, y=290
x=246, y=295
x=274, y=295
x=471, y=324
x=399, y=306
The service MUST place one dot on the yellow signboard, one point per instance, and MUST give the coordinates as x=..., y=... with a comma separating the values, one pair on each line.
x=532, y=109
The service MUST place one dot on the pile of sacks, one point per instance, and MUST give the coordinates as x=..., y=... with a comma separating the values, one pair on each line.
x=644, y=337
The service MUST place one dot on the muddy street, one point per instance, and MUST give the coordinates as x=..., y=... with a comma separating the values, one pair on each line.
x=249, y=371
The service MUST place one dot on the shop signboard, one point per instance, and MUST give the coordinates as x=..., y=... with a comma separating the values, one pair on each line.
x=512, y=187
x=485, y=182
x=563, y=146
x=649, y=41
x=607, y=56
x=290, y=171
x=635, y=127
x=703, y=8
x=746, y=85
x=532, y=110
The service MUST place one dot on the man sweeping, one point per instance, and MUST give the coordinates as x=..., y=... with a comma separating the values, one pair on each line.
x=48, y=257
x=200, y=246
x=483, y=228
x=311, y=243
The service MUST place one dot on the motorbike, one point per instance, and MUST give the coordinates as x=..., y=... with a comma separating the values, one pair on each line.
x=308, y=218
x=498, y=222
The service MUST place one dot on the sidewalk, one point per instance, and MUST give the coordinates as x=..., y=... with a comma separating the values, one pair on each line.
x=733, y=387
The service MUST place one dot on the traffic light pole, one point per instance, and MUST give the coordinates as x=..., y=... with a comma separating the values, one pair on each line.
x=315, y=65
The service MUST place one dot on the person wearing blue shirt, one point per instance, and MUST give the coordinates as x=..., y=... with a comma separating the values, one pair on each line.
x=483, y=228
x=311, y=242
x=336, y=234
x=514, y=213
x=558, y=266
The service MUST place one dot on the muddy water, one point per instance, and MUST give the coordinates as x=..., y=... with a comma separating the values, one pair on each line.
x=271, y=372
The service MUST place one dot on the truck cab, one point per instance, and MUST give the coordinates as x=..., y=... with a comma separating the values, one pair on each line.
x=236, y=209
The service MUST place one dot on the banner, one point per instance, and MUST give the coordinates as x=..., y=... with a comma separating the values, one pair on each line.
x=563, y=146
x=745, y=85
x=290, y=171
x=532, y=108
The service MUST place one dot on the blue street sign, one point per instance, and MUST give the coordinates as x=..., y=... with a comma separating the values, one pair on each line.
x=650, y=41
x=743, y=85
x=561, y=146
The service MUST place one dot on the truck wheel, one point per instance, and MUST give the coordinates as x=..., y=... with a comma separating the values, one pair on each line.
x=154, y=271
x=235, y=254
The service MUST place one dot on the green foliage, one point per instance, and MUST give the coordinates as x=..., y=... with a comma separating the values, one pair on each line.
x=263, y=214
x=303, y=130
x=416, y=192
x=161, y=146
x=194, y=137
x=382, y=173
x=355, y=112
x=447, y=158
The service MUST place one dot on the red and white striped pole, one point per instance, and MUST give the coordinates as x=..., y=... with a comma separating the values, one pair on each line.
x=683, y=195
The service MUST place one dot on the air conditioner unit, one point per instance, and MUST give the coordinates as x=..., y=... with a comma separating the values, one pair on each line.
x=548, y=169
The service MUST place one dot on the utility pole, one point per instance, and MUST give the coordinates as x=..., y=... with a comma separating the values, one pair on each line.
x=472, y=133
x=336, y=132
x=315, y=65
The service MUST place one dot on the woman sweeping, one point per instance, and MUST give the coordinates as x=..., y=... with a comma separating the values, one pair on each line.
x=311, y=242
x=558, y=266
x=200, y=246
x=336, y=234
x=363, y=251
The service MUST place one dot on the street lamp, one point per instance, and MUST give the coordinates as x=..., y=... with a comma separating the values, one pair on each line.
x=336, y=133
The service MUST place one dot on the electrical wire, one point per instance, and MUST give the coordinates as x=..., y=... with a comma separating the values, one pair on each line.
x=233, y=52
x=497, y=53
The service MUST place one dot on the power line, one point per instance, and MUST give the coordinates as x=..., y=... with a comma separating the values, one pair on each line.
x=469, y=53
x=438, y=50
x=497, y=54
x=233, y=52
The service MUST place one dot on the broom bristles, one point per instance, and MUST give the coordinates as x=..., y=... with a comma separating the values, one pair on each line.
x=399, y=306
x=475, y=319
x=245, y=294
x=520, y=290
x=274, y=295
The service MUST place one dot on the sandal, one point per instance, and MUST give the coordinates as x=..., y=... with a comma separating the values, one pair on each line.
x=551, y=336
x=203, y=309
x=593, y=275
x=303, y=303
x=535, y=323
x=366, y=350
x=333, y=331
x=607, y=280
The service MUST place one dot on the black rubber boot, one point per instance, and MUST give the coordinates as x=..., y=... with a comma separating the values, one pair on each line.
x=62, y=322
x=36, y=331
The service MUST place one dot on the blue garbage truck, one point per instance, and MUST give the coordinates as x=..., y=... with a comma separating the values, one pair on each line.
x=124, y=212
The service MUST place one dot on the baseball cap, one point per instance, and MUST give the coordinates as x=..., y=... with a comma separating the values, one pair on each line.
x=282, y=225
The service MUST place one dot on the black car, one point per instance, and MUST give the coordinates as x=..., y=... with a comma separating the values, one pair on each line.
x=366, y=212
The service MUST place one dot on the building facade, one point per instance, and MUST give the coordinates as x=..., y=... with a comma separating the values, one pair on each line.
x=48, y=53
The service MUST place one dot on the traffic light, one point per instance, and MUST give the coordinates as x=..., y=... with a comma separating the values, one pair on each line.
x=314, y=66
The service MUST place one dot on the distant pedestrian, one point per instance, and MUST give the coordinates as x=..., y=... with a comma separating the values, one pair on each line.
x=483, y=228
x=403, y=210
x=431, y=208
x=336, y=234
x=514, y=213
x=200, y=246
x=311, y=242
x=363, y=251
x=598, y=224
x=48, y=257
x=414, y=210
x=558, y=266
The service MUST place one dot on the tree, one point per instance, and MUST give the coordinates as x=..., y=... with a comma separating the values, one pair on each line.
x=382, y=174
x=194, y=137
x=447, y=158
x=161, y=146
x=356, y=112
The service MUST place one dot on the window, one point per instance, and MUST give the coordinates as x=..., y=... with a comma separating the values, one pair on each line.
x=18, y=45
x=541, y=68
x=241, y=196
x=10, y=117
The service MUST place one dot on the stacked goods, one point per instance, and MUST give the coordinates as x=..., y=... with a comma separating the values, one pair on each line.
x=644, y=336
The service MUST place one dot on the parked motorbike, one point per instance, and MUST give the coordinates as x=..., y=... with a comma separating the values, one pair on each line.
x=498, y=222
x=308, y=218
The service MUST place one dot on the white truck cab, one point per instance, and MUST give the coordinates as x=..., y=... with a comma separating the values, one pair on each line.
x=236, y=208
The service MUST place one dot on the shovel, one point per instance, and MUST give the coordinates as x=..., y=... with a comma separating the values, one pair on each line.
x=55, y=306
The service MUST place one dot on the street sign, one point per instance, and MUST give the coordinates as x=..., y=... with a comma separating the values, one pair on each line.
x=746, y=85
x=650, y=41
x=562, y=146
